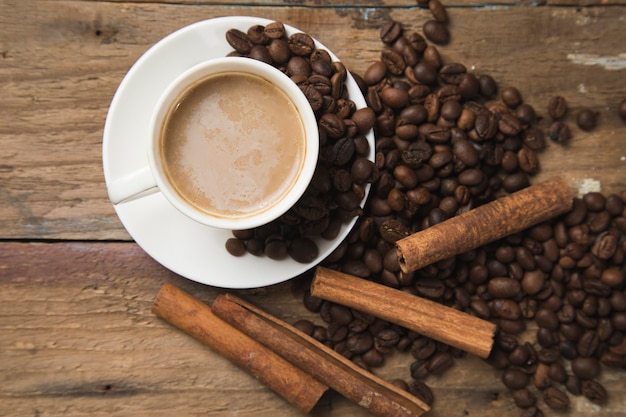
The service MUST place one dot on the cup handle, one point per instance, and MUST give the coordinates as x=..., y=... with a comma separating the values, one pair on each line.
x=131, y=186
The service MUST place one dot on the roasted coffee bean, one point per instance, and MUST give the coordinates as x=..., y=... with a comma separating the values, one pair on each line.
x=256, y=34
x=600, y=222
x=332, y=125
x=511, y=96
x=528, y=161
x=588, y=343
x=321, y=56
x=515, y=182
x=436, y=32
x=395, y=98
x=260, y=53
x=556, y=399
x=586, y=367
x=423, y=348
x=373, y=358
x=406, y=176
x=573, y=384
x=594, y=391
x=451, y=110
x=534, y=138
x=559, y=132
x=390, y=31
x=301, y=44
x=541, y=376
x=276, y=249
x=514, y=379
x=469, y=86
x=303, y=250
x=525, y=114
x=547, y=338
x=393, y=230
x=438, y=11
x=524, y=398
x=506, y=309
x=504, y=287
x=239, y=41
x=586, y=119
x=519, y=355
x=547, y=319
x=557, y=107
x=305, y=326
x=509, y=124
x=421, y=391
x=359, y=343
x=488, y=86
x=365, y=118
x=486, y=125
x=279, y=51
x=336, y=333
x=393, y=60
x=312, y=303
x=548, y=356
x=375, y=73
x=440, y=362
x=605, y=246
x=533, y=281
x=452, y=73
x=363, y=171
x=275, y=30
x=595, y=201
x=316, y=100
x=425, y=74
x=419, y=369
x=235, y=247
x=337, y=85
x=557, y=372
x=614, y=204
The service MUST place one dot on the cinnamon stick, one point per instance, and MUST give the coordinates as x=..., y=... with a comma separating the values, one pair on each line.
x=484, y=224
x=323, y=363
x=196, y=318
x=423, y=316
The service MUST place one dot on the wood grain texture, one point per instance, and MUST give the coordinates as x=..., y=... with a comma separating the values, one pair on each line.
x=76, y=334
x=78, y=338
x=61, y=62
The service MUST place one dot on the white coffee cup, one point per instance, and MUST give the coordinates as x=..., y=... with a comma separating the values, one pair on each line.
x=154, y=177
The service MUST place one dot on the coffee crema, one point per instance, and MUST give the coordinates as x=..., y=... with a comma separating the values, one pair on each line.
x=233, y=145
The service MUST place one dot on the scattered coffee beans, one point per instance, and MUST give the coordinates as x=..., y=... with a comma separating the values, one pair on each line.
x=557, y=107
x=443, y=147
x=338, y=184
x=559, y=132
x=586, y=119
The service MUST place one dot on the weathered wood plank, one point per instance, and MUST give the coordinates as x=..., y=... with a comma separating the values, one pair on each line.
x=371, y=4
x=61, y=62
x=78, y=339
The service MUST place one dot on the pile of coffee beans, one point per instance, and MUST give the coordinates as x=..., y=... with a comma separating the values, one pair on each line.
x=338, y=187
x=449, y=140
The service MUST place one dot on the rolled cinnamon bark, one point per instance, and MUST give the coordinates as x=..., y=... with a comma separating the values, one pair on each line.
x=196, y=319
x=323, y=363
x=445, y=324
x=485, y=224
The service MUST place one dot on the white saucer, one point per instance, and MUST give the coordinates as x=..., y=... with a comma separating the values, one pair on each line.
x=187, y=248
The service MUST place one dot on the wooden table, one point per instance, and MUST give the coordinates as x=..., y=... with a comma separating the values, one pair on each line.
x=76, y=333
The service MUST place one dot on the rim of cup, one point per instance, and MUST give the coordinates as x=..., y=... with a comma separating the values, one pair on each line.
x=196, y=74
